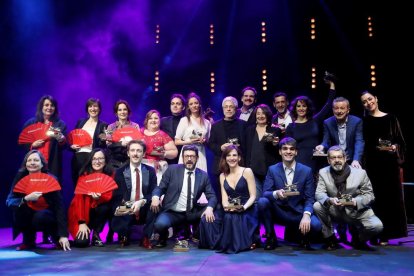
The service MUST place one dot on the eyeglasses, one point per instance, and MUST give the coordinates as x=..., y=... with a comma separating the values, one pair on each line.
x=190, y=156
x=99, y=159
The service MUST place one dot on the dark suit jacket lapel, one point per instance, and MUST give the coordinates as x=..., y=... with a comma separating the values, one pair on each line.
x=145, y=180
x=282, y=175
x=197, y=183
x=128, y=181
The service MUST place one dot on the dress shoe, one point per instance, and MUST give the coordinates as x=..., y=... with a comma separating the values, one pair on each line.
x=270, y=243
x=97, y=242
x=331, y=243
x=24, y=246
x=146, y=243
x=305, y=244
x=123, y=241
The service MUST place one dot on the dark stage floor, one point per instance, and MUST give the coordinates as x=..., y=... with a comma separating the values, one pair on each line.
x=133, y=260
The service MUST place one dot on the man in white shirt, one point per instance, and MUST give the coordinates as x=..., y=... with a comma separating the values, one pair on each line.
x=136, y=181
x=182, y=185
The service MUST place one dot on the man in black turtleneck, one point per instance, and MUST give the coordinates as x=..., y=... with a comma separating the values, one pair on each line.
x=169, y=124
x=227, y=131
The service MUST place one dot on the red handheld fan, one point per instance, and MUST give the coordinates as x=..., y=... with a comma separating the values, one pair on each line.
x=95, y=183
x=37, y=182
x=129, y=133
x=79, y=137
x=33, y=132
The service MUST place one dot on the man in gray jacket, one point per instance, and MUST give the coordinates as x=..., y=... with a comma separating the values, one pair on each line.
x=344, y=194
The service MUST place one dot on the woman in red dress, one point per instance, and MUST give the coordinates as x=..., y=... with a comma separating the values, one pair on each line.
x=89, y=212
x=160, y=146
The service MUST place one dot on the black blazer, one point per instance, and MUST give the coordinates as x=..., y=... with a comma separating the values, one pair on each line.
x=219, y=136
x=172, y=184
x=100, y=128
x=123, y=179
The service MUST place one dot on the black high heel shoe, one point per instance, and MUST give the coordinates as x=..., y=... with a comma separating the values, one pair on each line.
x=96, y=240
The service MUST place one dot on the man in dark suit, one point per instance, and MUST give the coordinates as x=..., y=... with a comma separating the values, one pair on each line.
x=248, y=98
x=136, y=182
x=295, y=211
x=344, y=130
x=182, y=186
x=223, y=133
x=169, y=124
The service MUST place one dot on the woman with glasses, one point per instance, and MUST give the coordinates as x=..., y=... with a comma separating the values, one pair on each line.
x=89, y=212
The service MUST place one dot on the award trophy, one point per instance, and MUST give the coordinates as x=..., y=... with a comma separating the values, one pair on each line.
x=53, y=132
x=384, y=145
x=234, y=141
x=329, y=77
x=234, y=204
x=270, y=137
x=291, y=190
x=124, y=209
x=319, y=153
x=346, y=199
x=107, y=135
x=196, y=134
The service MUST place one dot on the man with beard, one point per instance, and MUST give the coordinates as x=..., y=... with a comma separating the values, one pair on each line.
x=282, y=117
x=248, y=99
x=182, y=186
x=344, y=194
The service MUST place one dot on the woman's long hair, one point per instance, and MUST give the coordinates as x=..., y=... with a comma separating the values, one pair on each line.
x=188, y=111
x=223, y=166
x=39, y=109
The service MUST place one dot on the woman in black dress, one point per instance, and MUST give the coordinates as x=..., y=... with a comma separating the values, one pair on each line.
x=384, y=153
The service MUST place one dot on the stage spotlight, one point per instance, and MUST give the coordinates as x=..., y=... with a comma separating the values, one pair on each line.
x=212, y=82
x=157, y=34
x=370, y=28
x=373, y=78
x=211, y=34
x=157, y=81
x=263, y=32
x=312, y=28
x=313, y=77
x=264, y=80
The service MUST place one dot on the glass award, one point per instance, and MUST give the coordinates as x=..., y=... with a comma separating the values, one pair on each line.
x=291, y=190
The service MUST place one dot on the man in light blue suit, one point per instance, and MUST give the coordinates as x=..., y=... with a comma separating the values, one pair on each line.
x=182, y=186
x=344, y=130
x=278, y=206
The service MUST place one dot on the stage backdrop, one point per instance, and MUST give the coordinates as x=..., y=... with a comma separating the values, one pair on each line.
x=145, y=50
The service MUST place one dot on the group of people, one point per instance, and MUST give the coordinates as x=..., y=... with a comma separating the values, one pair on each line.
x=163, y=181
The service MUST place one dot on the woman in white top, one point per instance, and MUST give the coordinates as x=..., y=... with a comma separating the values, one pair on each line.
x=194, y=129
x=96, y=128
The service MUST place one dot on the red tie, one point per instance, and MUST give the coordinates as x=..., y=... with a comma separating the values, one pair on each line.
x=138, y=185
x=137, y=190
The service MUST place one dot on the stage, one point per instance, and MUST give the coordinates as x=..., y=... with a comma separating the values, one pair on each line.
x=134, y=260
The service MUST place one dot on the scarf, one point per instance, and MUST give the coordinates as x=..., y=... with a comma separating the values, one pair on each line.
x=340, y=178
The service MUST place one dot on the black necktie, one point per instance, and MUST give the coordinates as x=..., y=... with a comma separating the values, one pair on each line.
x=188, y=209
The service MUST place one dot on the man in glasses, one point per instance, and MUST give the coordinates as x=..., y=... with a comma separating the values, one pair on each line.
x=182, y=186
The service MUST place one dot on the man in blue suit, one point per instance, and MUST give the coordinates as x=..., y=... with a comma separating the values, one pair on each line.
x=278, y=206
x=344, y=130
x=182, y=186
x=136, y=181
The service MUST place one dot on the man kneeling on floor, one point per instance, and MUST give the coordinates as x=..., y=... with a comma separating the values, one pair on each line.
x=182, y=186
x=344, y=194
